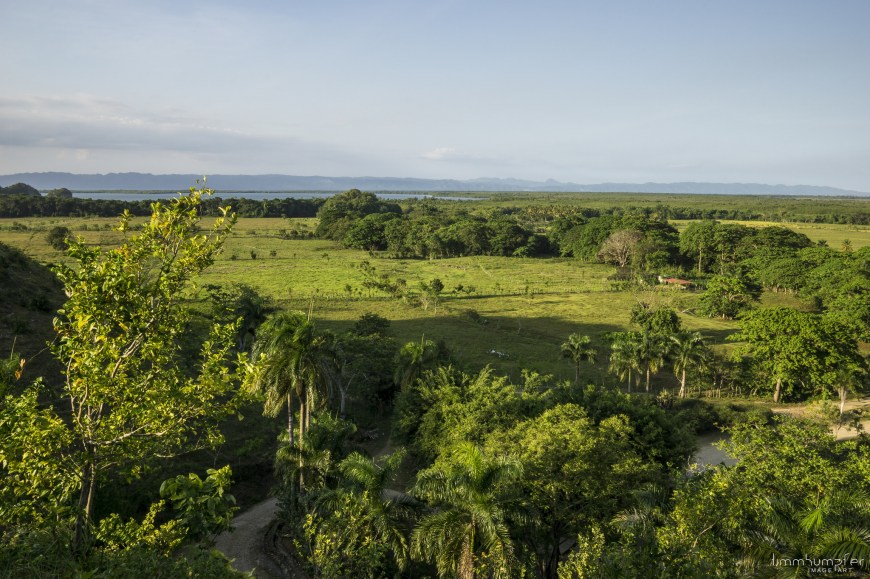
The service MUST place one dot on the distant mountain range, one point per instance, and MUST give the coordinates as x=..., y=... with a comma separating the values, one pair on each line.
x=149, y=182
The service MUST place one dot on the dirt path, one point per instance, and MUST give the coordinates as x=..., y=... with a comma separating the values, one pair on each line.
x=244, y=544
x=841, y=431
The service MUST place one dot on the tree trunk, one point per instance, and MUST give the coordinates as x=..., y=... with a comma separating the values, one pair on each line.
x=290, y=433
x=85, y=511
x=301, y=421
x=343, y=396
x=778, y=391
x=629, y=380
x=466, y=561
x=647, y=378
x=302, y=406
x=683, y=385
x=308, y=404
x=577, y=374
x=843, y=395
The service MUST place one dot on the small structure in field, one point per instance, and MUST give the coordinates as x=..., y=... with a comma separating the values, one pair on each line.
x=675, y=281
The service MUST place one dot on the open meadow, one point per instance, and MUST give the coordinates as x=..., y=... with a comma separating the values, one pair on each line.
x=512, y=313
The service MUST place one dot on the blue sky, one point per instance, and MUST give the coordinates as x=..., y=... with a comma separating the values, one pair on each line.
x=630, y=91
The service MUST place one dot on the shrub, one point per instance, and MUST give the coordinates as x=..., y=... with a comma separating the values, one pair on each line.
x=57, y=237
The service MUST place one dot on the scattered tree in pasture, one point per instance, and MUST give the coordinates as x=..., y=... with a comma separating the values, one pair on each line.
x=370, y=324
x=578, y=349
x=620, y=247
x=662, y=321
x=57, y=237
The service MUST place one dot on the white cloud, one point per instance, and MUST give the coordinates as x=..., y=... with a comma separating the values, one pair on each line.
x=440, y=154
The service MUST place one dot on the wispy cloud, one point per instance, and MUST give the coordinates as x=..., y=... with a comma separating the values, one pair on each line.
x=452, y=155
x=88, y=122
x=82, y=128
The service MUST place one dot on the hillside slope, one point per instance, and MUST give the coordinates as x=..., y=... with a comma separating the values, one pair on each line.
x=30, y=296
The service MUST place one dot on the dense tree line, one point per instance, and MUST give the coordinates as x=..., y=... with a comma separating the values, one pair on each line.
x=359, y=220
x=16, y=206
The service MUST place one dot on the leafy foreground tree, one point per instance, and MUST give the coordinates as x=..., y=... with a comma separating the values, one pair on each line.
x=473, y=495
x=794, y=505
x=128, y=397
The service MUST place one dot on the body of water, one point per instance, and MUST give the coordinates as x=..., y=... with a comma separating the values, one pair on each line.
x=254, y=195
x=709, y=453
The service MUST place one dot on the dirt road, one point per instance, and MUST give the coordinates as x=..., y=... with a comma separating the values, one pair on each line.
x=245, y=543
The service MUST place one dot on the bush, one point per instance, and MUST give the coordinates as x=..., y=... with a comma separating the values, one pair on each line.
x=370, y=324
x=57, y=237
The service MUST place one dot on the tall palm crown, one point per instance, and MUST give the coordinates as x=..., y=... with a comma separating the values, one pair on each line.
x=388, y=511
x=291, y=360
x=687, y=350
x=412, y=359
x=624, y=356
x=652, y=351
x=578, y=349
x=473, y=496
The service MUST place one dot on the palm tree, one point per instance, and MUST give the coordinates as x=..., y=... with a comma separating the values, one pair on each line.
x=578, y=349
x=412, y=359
x=252, y=309
x=814, y=527
x=687, y=350
x=317, y=458
x=388, y=511
x=291, y=359
x=472, y=497
x=651, y=353
x=624, y=357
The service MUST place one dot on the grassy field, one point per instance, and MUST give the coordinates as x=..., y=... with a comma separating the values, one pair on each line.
x=521, y=308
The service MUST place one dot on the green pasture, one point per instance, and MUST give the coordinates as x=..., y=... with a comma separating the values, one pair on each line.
x=521, y=308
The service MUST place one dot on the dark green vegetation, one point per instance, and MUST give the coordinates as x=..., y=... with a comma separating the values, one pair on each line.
x=19, y=190
x=60, y=203
x=127, y=397
x=541, y=382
